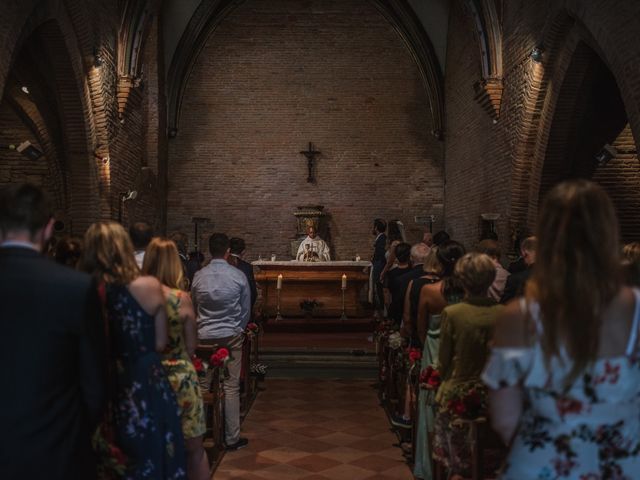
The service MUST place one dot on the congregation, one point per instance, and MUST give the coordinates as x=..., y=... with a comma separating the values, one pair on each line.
x=113, y=324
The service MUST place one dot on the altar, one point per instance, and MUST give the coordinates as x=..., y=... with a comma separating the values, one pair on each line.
x=313, y=288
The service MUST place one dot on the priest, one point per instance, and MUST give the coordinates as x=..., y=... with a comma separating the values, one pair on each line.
x=313, y=248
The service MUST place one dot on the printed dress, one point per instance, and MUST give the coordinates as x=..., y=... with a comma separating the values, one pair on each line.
x=146, y=414
x=181, y=372
x=592, y=432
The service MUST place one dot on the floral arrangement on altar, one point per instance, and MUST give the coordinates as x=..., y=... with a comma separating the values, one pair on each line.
x=430, y=378
x=466, y=402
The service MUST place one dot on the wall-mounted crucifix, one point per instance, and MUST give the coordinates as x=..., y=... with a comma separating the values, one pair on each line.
x=311, y=156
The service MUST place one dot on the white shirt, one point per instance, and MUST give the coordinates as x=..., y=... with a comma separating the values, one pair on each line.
x=316, y=245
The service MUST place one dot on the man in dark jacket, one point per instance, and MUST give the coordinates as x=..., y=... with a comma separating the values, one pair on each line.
x=52, y=350
x=517, y=281
x=237, y=248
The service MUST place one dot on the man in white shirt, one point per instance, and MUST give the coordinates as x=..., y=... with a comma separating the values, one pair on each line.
x=313, y=248
x=222, y=299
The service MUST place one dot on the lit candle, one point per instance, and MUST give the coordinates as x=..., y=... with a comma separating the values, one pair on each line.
x=344, y=281
x=279, y=284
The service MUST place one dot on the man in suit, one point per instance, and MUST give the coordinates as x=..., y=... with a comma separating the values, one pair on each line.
x=52, y=350
x=418, y=256
x=237, y=248
x=378, y=261
x=517, y=281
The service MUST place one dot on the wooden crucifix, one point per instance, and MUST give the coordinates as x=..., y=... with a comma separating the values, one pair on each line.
x=310, y=155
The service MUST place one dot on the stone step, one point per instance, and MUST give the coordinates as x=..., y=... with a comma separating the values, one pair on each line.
x=292, y=359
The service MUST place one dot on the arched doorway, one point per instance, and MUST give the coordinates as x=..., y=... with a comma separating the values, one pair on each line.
x=590, y=137
x=42, y=104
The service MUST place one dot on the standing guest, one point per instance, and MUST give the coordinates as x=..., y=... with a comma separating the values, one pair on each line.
x=146, y=416
x=194, y=263
x=418, y=258
x=464, y=336
x=237, y=247
x=440, y=237
x=52, y=350
x=392, y=286
x=433, y=298
x=141, y=234
x=162, y=261
x=631, y=263
x=378, y=261
x=516, y=282
x=427, y=239
x=564, y=373
x=222, y=298
x=395, y=236
x=68, y=251
x=182, y=244
x=492, y=249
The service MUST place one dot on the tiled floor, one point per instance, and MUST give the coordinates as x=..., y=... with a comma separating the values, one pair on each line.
x=316, y=429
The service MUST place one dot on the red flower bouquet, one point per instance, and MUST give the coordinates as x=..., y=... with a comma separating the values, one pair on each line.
x=468, y=403
x=414, y=355
x=430, y=378
x=198, y=365
x=219, y=358
x=253, y=327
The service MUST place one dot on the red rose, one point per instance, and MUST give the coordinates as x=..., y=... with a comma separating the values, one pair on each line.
x=426, y=374
x=117, y=455
x=457, y=407
x=252, y=327
x=434, y=380
x=224, y=353
x=197, y=363
x=473, y=399
x=414, y=355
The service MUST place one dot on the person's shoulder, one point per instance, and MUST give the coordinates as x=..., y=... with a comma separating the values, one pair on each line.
x=513, y=326
x=146, y=285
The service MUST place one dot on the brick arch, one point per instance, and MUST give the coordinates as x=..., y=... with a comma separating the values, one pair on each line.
x=68, y=97
x=562, y=34
x=209, y=15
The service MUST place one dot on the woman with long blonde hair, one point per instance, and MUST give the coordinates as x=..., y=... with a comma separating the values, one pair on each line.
x=564, y=371
x=145, y=412
x=163, y=262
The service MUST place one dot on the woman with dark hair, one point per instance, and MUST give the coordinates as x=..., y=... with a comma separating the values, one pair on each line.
x=68, y=251
x=145, y=413
x=565, y=373
x=631, y=263
x=429, y=297
x=395, y=236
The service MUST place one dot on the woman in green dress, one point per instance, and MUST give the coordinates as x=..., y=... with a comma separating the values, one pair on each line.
x=433, y=298
x=464, y=336
x=162, y=261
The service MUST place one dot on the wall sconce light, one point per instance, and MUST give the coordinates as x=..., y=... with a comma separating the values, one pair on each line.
x=98, y=59
x=29, y=151
x=25, y=89
x=606, y=154
x=125, y=197
x=537, y=53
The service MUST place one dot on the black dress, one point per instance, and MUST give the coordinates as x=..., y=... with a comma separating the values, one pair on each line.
x=147, y=421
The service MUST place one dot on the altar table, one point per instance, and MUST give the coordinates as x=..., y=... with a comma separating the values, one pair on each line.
x=314, y=281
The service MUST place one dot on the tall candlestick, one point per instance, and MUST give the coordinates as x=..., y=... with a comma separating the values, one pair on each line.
x=279, y=284
x=344, y=281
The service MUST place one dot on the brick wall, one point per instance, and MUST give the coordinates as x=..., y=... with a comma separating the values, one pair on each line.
x=271, y=78
x=500, y=166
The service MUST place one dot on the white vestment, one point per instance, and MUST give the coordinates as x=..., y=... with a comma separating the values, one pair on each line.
x=316, y=245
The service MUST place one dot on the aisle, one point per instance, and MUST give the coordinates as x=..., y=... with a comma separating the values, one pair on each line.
x=316, y=429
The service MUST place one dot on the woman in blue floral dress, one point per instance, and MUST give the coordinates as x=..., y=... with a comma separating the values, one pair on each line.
x=145, y=412
x=565, y=371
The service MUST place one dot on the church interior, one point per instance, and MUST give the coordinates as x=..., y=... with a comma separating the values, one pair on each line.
x=264, y=120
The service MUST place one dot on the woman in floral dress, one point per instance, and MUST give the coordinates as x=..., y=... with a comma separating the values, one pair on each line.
x=145, y=412
x=162, y=261
x=565, y=370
